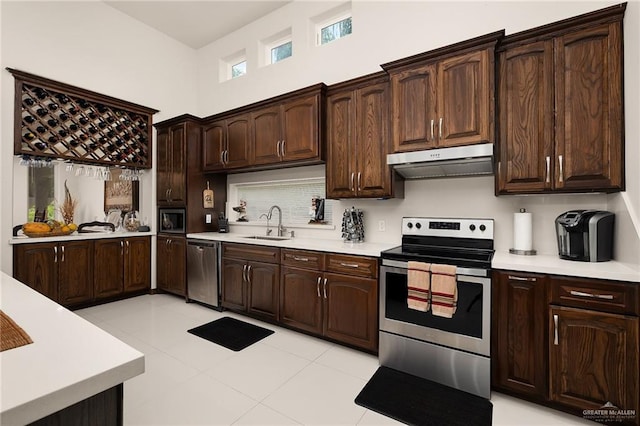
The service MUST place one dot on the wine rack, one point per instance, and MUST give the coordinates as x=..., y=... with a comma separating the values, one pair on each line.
x=57, y=120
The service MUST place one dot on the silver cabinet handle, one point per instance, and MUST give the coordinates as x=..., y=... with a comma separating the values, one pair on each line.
x=166, y=194
x=62, y=249
x=561, y=177
x=301, y=259
x=244, y=272
x=55, y=254
x=592, y=295
x=352, y=182
x=278, y=148
x=249, y=274
x=555, y=332
x=515, y=278
x=432, y=129
x=548, y=159
x=121, y=248
x=440, y=128
x=359, y=178
x=318, y=286
x=325, y=288
x=226, y=156
x=349, y=265
x=284, y=147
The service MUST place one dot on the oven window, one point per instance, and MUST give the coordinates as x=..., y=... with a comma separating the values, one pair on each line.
x=466, y=321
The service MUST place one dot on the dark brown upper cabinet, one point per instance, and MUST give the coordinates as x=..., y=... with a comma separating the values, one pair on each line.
x=358, y=139
x=227, y=143
x=57, y=120
x=444, y=97
x=561, y=106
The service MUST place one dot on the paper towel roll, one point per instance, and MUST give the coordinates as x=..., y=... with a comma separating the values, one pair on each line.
x=522, y=231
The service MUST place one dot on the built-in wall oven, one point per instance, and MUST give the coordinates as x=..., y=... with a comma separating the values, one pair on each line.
x=453, y=351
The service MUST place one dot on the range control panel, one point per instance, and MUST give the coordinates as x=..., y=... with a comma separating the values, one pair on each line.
x=442, y=227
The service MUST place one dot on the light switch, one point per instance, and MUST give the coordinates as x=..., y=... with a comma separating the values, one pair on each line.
x=207, y=218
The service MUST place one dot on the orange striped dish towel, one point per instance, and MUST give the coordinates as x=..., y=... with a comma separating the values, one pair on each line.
x=418, y=285
x=444, y=290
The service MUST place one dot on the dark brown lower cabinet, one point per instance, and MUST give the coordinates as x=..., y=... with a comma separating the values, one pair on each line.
x=82, y=272
x=263, y=281
x=570, y=343
x=234, y=290
x=593, y=358
x=300, y=299
x=519, y=333
x=172, y=264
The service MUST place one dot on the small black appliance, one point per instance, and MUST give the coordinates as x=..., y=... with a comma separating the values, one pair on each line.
x=585, y=235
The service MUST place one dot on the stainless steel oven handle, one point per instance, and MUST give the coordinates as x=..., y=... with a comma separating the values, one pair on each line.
x=470, y=274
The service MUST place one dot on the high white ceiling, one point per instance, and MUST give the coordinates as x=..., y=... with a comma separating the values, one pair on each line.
x=196, y=23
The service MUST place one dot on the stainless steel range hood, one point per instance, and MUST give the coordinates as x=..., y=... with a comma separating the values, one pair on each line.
x=442, y=162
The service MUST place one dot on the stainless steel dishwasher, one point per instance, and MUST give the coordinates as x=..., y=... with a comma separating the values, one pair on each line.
x=203, y=272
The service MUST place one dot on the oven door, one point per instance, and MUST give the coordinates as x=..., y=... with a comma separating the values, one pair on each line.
x=467, y=330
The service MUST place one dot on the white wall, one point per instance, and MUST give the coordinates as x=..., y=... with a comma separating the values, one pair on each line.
x=384, y=31
x=93, y=46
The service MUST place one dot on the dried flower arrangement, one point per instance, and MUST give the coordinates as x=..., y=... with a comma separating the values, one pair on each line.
x=68, y=207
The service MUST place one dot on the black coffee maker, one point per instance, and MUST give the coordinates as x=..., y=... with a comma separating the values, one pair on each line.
x=585, y=235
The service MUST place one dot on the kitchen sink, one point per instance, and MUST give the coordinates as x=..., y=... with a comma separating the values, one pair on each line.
x=266, y=237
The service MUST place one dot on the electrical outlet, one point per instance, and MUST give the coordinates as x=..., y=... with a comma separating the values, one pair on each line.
x=207, y=218
x=382, y=226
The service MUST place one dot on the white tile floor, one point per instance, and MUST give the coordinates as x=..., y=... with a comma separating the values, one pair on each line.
x=287, y=378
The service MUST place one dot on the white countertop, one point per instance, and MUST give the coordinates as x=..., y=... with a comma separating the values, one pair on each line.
x=552, y=264
x=333, y=246
x=75, y=236
x=69, y=360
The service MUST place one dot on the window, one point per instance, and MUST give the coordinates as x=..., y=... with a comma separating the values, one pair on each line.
x=335, y=30
x=41, y=194
x=281, y=52
x=239, y=69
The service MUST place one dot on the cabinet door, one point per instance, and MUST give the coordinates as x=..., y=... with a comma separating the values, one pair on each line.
x=177, y=271
x=300, y=121
x=163, y=168
x=413, y=109
x=137, y=265
x=593, y=358
x=108, y=267
x=163, y=263
x=519, y=358
x=213, y=146
x=341, y=145
x=234, y=287
x=75, y=272
x=301, y=300
x=526, y=118
x=263, y=281
x=267, y=135
x=36, y=265
x=238, y=142
x=351, y=310
x=373, y=177
x=465, y=99
x=177, y=191
x=589, y=129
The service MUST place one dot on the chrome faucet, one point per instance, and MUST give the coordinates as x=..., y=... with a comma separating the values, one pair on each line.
x=281, y=229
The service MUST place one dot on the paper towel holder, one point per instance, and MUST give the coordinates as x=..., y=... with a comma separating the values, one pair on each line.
x=531, y=252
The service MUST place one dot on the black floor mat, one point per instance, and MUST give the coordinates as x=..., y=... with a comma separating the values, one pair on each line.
x=417, y=401
x=231, y=333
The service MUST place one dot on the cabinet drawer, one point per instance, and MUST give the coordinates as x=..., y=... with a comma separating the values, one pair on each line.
x=353, y=265
x=251, y=252
x=608, y=296
x=303, y=259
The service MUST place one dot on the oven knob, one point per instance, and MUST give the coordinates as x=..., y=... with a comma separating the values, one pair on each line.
x=418, y=225
x=409, y=225
x=482, y=227
x=472, y=227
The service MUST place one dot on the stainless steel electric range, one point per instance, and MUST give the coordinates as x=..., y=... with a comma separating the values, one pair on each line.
x=452, y=351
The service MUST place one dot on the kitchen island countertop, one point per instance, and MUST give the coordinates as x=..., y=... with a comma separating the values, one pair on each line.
x=23, y=239
x=332, y=246
x=552, y=264
x=69, y=360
